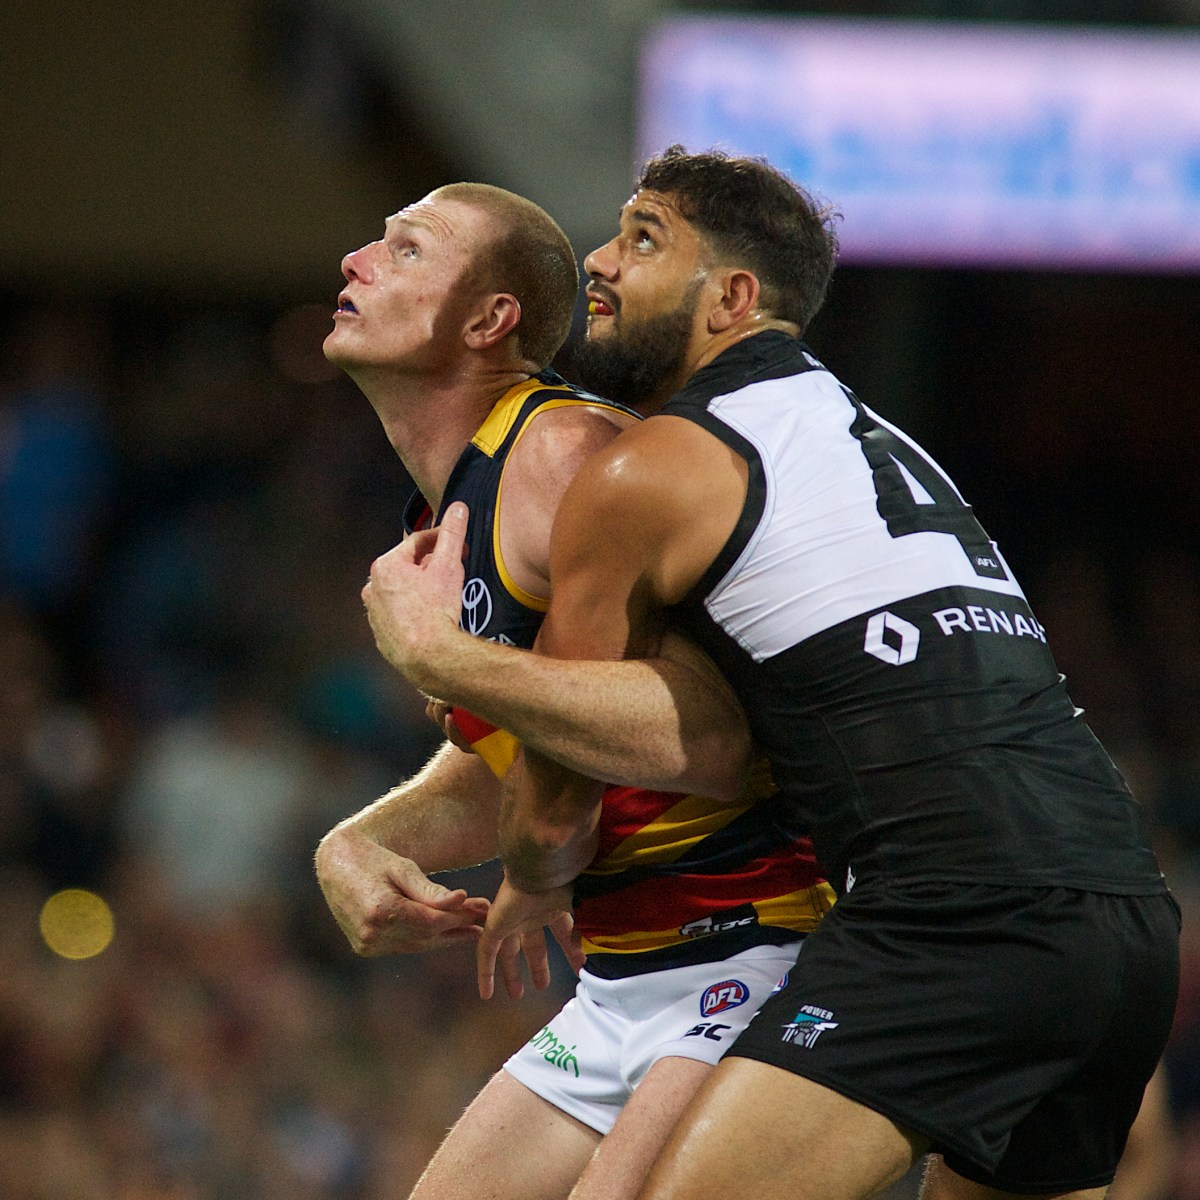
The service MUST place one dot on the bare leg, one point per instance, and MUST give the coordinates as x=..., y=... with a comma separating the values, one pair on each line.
x=509, y=1145
x=941, y=1183
x=760, y=1132
x=1147, y=1168
x=624, y=1158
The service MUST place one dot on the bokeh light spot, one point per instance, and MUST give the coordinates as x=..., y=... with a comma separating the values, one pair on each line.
x=76, y=923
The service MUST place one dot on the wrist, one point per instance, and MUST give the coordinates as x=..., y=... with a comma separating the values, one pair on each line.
x=434, y=660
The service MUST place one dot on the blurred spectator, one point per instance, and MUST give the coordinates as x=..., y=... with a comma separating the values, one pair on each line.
x=55, y=461
x=212, y=798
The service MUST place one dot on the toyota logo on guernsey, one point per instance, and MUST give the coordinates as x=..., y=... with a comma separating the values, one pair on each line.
x=476, y=606
x=722, y=996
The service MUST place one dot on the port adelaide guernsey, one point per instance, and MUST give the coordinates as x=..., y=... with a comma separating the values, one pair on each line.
x=890, y=665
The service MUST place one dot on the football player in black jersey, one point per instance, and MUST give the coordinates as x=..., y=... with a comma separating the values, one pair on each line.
x=997, y=980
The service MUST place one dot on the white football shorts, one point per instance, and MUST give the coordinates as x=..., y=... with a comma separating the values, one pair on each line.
x=591, y=1056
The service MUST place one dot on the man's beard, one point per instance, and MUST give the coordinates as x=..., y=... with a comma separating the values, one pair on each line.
x=631, y=364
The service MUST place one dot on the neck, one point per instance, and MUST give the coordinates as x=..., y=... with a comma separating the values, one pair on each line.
x=754, y=324
x=707, y=348
x=430, y=421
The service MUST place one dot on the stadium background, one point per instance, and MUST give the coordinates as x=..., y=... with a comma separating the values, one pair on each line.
x=189, y=500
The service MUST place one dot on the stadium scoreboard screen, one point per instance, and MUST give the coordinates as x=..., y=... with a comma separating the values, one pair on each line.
x=1047, y=147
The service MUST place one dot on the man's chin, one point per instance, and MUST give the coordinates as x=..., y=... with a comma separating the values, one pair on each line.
x=600, y=328
x=335, y=352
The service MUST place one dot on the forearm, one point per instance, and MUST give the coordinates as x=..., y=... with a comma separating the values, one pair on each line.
x=662, y=722
x=444, y=818
x=548, y=823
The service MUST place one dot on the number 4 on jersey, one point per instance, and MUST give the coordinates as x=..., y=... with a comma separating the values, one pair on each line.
x=913, y=496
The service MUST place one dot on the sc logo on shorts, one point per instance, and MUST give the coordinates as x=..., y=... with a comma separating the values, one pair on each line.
x=721, y=997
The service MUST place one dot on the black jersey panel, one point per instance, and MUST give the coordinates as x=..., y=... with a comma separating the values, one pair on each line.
x=889, y=663
x=769, y=355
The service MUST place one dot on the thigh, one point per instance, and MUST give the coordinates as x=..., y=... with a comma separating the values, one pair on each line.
x=1073, y=1136
x=942, y=1183
x=955, y=1010
x=624, y=1158
x=509, y=1145
x=762, y=1133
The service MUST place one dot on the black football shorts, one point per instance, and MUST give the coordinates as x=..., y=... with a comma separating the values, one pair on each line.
x=1013, y=1027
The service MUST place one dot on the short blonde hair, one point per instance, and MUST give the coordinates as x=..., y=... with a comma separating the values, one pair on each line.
x=528, y=256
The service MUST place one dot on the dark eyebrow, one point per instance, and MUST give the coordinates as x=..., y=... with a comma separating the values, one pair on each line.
x=646, y=217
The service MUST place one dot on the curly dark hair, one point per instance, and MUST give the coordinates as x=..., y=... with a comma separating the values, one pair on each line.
x=753, y=215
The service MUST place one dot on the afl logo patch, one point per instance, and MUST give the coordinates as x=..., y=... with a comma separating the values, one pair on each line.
x=476, y=606
x=722, y=996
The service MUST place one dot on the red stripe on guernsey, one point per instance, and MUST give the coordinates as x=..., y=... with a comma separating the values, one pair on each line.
x=627, y=810
x=473, y=728
x=669, y=901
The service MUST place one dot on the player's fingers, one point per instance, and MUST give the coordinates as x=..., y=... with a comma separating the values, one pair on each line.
x=485, y=964
x=533, y=944
x=452, y=534
x=562, y=925
x=416, y=885
x=509, y=961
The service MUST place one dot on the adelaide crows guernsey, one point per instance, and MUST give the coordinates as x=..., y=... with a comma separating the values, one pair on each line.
x=677, y=878
x=888, y=661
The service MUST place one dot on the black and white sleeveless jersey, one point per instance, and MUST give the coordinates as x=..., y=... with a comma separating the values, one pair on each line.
x=888, y=661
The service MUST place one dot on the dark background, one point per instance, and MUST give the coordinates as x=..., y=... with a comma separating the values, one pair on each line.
x=190, y=499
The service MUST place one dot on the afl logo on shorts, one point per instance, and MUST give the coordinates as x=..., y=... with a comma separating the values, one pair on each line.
x=723, y=996
x=476, y=606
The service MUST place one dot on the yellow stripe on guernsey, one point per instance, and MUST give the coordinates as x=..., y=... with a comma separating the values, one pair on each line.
x=800, y=910
x=489, y=438
x=498, y=749
x=670, y=836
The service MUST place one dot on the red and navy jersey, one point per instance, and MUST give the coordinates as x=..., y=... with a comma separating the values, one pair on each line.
x=677, y=878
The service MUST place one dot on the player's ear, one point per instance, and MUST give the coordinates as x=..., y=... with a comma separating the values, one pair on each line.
x=492, y=320
x=739, y=297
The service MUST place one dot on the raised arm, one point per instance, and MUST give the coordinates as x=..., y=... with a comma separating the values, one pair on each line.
x=374, y=867
x=630, y=539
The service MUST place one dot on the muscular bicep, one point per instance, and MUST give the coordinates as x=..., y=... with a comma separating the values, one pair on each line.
x=636, y=530
x=603, y=603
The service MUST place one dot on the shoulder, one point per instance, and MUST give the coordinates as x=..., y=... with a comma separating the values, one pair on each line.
x=559, y=439
x=574, y=427
x=555, y=444
x=666, y=493
x=667, y=460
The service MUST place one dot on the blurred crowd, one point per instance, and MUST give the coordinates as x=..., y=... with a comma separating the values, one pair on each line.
x=189, y=698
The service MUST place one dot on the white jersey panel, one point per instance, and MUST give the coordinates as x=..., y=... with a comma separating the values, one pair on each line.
x=821, y=554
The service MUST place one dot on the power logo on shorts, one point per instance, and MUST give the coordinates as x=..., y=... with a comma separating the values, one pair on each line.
x=723, y=996
x=809, y=1023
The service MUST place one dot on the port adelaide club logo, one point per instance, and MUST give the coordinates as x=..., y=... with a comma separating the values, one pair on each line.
x=809, y=1024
